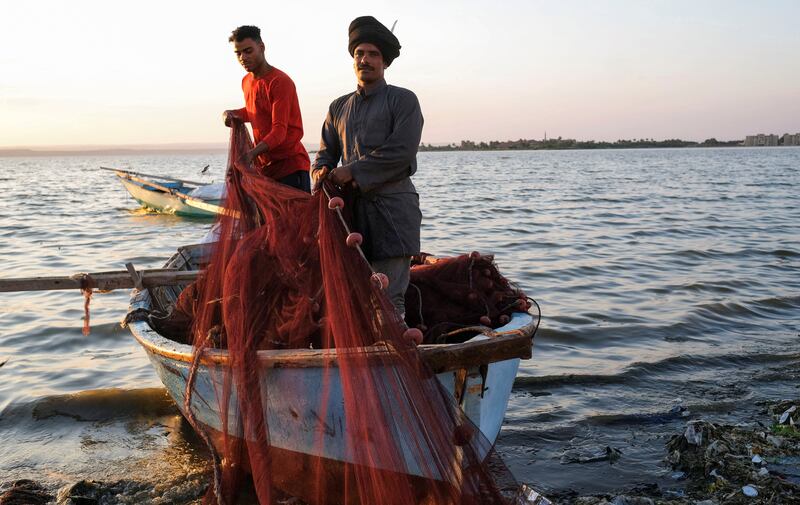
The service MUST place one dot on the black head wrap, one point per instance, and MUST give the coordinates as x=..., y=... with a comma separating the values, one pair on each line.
x=370, y=30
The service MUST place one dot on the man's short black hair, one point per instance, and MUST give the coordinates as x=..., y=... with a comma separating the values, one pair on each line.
x=246, y=32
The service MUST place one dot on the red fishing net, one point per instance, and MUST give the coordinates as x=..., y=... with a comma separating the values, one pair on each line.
x=446, y=294
x=321, y=395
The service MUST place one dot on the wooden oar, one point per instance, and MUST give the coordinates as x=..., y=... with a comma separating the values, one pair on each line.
x=121, y=279
x=162, y=177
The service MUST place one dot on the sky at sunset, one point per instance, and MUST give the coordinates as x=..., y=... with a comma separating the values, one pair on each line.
x=161, y=72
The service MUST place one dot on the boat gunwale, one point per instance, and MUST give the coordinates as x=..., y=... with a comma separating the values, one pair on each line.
x=435, y=355
x=142, y=183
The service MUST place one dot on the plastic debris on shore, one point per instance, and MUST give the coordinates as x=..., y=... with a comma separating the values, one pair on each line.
x=786, y=417
x=694, y=433
x=529, y=496
x=722, y=464
x=723, y=461
x=678, y=475
x=750, y=491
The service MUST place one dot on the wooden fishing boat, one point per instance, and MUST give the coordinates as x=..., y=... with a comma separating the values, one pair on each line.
x=479, y=373
x=169, y=195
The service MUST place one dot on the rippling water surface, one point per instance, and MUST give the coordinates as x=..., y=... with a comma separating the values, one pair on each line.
x=669, y=282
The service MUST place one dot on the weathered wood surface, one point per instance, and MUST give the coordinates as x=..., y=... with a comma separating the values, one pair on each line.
x=440, y=358
x=100, y=280
x=443, y=358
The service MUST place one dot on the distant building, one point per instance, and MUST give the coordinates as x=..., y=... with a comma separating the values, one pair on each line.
x=791, y=140
x=761, y=140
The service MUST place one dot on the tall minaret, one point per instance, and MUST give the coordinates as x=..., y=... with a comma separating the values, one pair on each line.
x=545, y=135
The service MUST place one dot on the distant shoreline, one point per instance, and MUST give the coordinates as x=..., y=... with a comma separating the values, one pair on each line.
x=572, y=144
x=113, y=151
x=557, y=144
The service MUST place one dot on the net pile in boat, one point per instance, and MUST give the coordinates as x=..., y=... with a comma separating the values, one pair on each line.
x=446, y=294
x=361, y=420
x=448, y=299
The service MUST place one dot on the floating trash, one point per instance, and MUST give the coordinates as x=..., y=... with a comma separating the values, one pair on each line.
x=750, y=491
x=610, y=454
x=680, y=410
x=757, y=459
x=763, y=472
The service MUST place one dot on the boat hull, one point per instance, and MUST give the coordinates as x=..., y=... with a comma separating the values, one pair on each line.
x=293, y=421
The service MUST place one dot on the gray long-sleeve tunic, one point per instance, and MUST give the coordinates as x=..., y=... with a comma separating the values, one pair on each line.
x=377, y=134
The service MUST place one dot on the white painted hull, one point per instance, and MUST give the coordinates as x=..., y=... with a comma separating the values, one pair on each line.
x=292, y=421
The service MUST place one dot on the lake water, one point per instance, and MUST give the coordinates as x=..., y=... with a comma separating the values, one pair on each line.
x=669, y=282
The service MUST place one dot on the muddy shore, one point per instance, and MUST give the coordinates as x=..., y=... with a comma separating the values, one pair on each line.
x=714, y=463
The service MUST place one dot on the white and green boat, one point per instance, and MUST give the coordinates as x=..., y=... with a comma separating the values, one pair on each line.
x=172, y=196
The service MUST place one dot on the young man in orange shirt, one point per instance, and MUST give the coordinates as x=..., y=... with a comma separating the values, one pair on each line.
x=272, y=109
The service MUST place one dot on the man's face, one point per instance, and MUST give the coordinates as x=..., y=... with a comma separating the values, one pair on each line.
x=249, y=53
x=368, y=63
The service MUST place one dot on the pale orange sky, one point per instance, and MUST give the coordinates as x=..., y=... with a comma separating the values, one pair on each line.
x=107, y=73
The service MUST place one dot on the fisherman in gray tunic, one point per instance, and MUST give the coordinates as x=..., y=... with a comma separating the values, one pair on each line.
x=375, y=132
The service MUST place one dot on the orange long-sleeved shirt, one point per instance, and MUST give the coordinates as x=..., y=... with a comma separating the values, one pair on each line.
x=272, y=108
